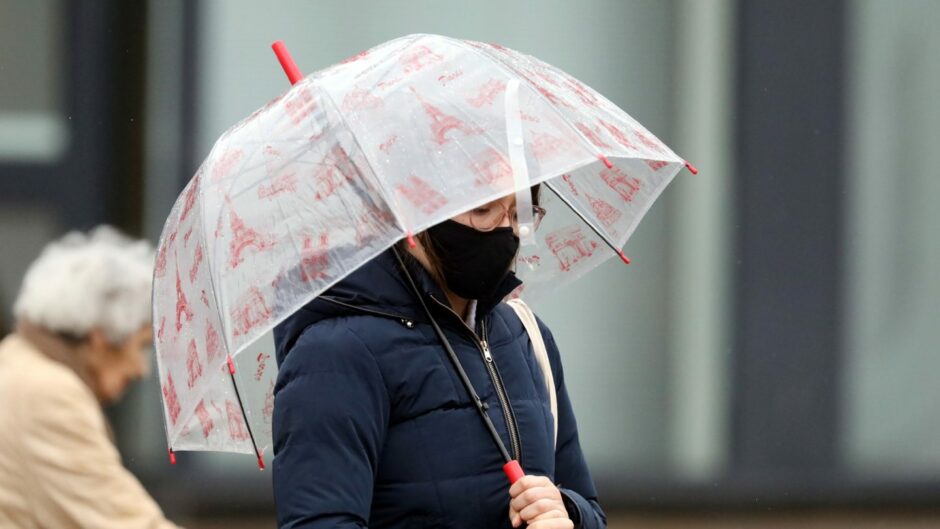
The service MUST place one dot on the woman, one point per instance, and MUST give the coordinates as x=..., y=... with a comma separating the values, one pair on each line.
x=372, y=427
x=82, y=334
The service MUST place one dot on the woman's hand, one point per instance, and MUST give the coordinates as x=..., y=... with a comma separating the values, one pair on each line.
x=537, y=501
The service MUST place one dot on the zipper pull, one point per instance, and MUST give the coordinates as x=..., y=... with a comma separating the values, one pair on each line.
x=486, y=351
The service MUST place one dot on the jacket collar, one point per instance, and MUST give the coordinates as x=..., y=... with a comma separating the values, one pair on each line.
x=379, y=287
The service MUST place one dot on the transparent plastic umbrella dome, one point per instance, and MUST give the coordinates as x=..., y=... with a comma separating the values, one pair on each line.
x=349, y=161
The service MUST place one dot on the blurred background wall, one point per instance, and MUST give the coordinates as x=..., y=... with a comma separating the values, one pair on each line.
x=773, y=348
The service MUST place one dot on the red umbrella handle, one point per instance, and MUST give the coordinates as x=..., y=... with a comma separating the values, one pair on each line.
x=287, y=62
x=513, y=471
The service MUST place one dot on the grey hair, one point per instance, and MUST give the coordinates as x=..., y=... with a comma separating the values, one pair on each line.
x=100, y=279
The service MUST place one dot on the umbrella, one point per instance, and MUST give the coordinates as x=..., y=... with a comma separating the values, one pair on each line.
x=355, y=158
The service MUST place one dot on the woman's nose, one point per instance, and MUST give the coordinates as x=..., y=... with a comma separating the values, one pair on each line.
x=507, y=220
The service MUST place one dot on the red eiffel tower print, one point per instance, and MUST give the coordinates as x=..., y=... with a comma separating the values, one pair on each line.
x=605, y=212
x=442, y=123
x=193, y=364
x=204, y=419
x=197, y=260
x=159, y=269
x=182, y=305
x=192, y=192
x=243, y=238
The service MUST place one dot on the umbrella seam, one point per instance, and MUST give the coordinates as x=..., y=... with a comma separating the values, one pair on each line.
x=531, y=85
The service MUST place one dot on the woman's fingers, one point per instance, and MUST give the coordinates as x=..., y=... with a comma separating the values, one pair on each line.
x=535, y=498
x=551, y=514
x=533, y=495
x=552, y=520
x=539, y=507
x=527, y=482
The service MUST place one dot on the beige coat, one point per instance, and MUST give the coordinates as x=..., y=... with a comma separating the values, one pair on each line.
x=58, y=466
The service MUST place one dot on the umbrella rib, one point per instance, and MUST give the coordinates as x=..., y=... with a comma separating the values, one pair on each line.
x=389, y=197
x=587, y=221
x=241, y=405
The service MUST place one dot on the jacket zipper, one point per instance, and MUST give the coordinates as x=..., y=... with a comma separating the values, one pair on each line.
x=491, y=368
x=497, y=379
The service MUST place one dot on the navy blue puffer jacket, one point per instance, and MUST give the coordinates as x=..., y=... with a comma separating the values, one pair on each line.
x=372, y=427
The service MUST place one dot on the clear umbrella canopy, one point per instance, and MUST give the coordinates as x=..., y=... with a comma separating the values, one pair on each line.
x=354, y=158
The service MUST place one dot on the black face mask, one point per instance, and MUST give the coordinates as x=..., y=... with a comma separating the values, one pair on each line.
x=473, y=262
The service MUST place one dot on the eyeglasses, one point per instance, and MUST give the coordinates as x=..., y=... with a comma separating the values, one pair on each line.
x=488, y=217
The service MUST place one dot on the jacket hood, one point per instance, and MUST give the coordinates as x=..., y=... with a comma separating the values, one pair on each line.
x=380, y=288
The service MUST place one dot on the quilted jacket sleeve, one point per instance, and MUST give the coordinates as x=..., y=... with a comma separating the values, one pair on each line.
x=331, y=413
x=571, y=471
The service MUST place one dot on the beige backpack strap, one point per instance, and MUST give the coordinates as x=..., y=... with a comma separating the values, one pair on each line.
x=541, y=353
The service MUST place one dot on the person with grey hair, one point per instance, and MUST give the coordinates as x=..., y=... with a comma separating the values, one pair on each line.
x=82, y=335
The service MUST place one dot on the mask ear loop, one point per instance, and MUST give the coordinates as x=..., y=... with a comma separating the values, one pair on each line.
x=517, y=161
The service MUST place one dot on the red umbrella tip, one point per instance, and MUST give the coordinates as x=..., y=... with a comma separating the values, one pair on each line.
x=691, y=168
x=231, y=366
x=287, y=62
x=172, y=456
x=260, y=462
x=624, y=258
x=411, y=240
x=606, y=161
